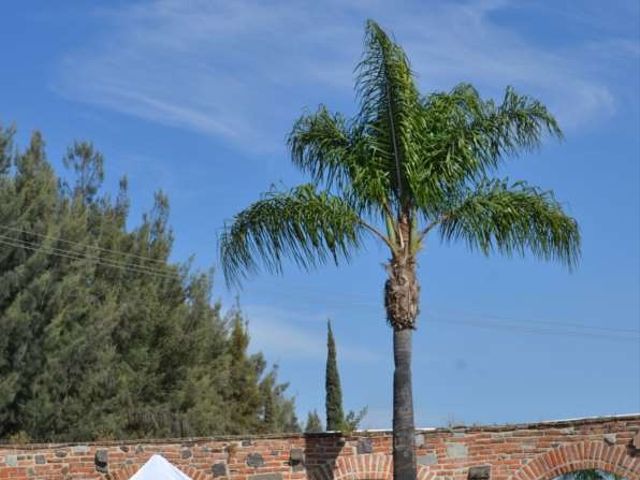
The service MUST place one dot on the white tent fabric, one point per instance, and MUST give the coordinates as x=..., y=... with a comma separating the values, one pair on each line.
x=159, y=468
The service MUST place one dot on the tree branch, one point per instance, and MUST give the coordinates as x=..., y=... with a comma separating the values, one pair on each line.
x=378, y=234
x=431, y=226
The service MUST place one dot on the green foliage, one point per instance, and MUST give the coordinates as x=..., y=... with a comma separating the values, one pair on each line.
x=308, y=226
x=243, y=388
x=353, y=420
x=389, y=112
x=494, y=215
x=314, y=424
x=333, y=390
x=404, y=165
x=101, y=336
x=88, y=166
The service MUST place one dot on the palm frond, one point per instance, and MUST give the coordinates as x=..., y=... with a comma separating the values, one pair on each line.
x=389, y=106
x=401, y=157
x=337, y=155
x=304, y=225
x=321, y=145
x=495, y=216
x=467, y=137
x=517, y=125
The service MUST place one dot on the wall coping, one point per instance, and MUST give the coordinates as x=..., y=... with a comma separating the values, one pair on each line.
x=191, y=441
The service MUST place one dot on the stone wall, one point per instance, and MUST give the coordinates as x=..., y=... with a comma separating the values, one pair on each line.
x=539, y=451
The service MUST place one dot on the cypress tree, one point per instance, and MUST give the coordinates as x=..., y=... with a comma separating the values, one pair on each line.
x=333, y=391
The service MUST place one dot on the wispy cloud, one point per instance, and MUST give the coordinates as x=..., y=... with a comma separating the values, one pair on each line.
x=242, y=70
x=290, y=335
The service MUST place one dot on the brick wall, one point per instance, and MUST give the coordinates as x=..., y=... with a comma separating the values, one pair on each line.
x=538, y=451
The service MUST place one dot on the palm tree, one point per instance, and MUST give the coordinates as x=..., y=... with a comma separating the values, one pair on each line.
x=404, y=167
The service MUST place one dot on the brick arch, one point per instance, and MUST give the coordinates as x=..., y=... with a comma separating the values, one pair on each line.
x=123, y=473
x=362, y=467
x=359, y=467
x=581, y=456
x=127, y=472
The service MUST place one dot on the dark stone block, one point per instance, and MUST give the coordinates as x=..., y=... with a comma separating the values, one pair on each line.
x=40, y=460
x=365, y=445
x=296, y=459
x=255, y=460
x=61, y=453
x=124, y=448
x=102, y=460
x=219, y=470
x=296, y=455
x=186, y=453
x=247, y=443
x=266, y=476
x=479, y=473
x=139, y=449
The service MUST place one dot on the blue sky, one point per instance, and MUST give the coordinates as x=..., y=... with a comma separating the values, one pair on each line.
x=196, y=98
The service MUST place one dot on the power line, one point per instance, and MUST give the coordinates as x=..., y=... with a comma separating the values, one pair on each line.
x=524, y=328
x=79, y=255
x=73, y=256
x=330, y=297
x=483, y=321
x=546, y=322
x=105, y=262
x=540, y=331
x=78, y=244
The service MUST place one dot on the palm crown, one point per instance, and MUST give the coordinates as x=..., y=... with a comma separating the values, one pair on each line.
x=405, y=165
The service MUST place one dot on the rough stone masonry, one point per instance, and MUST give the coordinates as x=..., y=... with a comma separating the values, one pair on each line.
x=537, y=451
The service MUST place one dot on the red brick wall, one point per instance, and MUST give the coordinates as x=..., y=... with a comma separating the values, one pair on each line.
x=514, y=452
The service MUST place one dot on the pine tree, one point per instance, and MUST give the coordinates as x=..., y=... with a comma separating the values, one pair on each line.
x=278, y=411
x=102, y=336
x=244, y=371
x=28, y=203
x=333, y=391
x=88, y=166
x=314, y=424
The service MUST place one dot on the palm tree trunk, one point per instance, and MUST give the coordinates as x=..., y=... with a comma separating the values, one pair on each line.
x=401, y=301
x=404, y=455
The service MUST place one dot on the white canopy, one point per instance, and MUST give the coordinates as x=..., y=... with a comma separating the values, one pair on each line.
x=159, y=468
